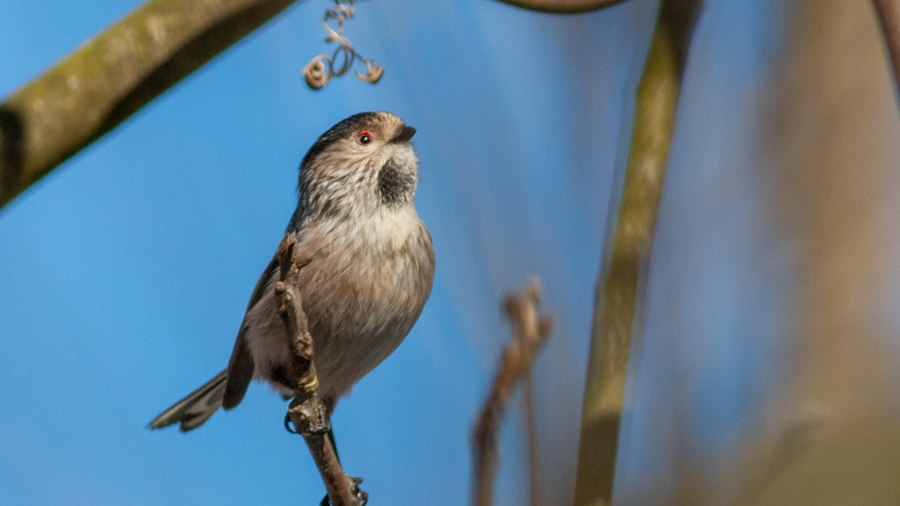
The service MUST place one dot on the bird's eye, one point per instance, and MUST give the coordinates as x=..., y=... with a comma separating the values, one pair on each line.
x=365, y=137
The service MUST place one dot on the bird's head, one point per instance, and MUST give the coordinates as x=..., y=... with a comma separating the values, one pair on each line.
x=363, y=164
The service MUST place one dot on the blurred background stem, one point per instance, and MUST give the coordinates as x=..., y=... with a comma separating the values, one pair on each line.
x=832, y=433
x=888, y=12
x=622, y=275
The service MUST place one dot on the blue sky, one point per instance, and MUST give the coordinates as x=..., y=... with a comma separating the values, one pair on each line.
x=126, y=271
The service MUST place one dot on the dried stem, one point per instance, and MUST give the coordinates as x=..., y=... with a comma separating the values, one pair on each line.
x=563, y=6
x=306, y=412
x=889, y=18
x=322, y=68
x=534, y=455
x=529, y=332
x=630, y=228
x=111, y=77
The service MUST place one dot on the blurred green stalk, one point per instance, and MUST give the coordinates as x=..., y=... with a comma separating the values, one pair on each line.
x=623, y=269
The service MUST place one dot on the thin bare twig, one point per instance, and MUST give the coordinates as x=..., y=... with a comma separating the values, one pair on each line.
x=111, y=77
x=889, y=18
x=563, y=6
x=306, y=412
x=622, y=274
x=529, y=332
x=534, y=455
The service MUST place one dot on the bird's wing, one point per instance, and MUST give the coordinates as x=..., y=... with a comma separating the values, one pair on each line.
x=240, y=367
x=268, y=277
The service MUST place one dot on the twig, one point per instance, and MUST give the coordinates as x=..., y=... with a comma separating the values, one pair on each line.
x=889, y=18
x=111, y=77
x=529, y=332
x=534, y=455
x=306, y=412
x=563, y=6
x=622, y=277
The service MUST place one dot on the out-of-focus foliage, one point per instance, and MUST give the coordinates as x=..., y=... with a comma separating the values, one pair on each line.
x=776, y=287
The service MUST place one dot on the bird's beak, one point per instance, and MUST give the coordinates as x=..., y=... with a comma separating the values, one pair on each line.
x=405, y=134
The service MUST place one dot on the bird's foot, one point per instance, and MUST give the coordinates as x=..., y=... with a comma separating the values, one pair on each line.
x=322, y=427
x=309, y=417
x=361, y=497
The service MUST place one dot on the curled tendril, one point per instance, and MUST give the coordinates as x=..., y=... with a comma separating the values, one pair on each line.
x=316, y=74
x=322, y=68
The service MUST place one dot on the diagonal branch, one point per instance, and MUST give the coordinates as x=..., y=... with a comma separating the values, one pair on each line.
x=306, y=412
x=529, y=332
x=622, y=277
x=111, y=77
x=563, y=6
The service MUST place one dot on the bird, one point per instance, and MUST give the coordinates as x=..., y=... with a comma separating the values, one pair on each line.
x=371, y=269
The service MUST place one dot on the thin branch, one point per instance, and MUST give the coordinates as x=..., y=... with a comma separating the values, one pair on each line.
x=563, y=6
x=529, y=333
x=306, y=412
x=622, y=278
x=111, y=77
x=534, y=455
x=889, y=18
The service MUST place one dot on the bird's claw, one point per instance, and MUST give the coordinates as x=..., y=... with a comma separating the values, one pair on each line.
x=319, y=428
x=287, y=424
x=323, y=427
x=361, y=497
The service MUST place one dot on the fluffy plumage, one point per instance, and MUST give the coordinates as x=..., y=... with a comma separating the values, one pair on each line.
x=371, y=271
